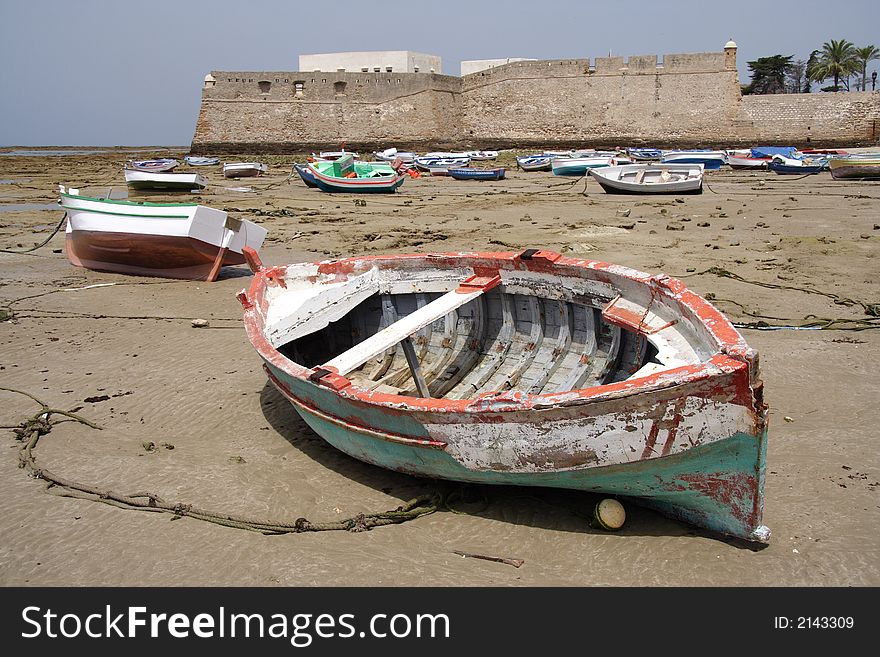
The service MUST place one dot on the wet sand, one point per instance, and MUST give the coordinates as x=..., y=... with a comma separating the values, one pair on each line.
x=126, y=356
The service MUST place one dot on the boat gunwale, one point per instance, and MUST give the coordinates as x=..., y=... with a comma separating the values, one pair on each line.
x=130, y=203
x=733, y=353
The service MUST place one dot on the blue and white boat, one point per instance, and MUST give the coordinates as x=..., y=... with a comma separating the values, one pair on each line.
x=709, y=159
x=644, y=154
x=154, y=166
x=438, y=166
x=306, y=174
x=803, y=166
x=578, y=166
x=539, y=162
x=476, y=174
x=391, y=154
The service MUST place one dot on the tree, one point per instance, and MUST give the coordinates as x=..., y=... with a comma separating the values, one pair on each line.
x=768, y=75
x=794, y=76
x=811, y=64
x=863, y=57
x=837, y=59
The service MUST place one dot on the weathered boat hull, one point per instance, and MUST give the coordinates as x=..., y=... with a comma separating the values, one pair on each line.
x=154, y=255
x=855, y=168
x=687, y=437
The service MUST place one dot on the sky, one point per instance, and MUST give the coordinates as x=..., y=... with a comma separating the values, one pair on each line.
x=117, y=73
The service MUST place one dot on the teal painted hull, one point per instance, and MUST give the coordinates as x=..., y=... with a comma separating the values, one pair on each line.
x=707, y=486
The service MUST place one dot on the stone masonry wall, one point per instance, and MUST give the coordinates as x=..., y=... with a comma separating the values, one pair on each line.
x=287, y=112
x=833, y=119
x=685, y=100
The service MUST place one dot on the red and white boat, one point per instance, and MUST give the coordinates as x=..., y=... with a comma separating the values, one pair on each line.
x=167, y=240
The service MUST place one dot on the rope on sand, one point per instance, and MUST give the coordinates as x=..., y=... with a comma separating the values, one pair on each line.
x=31, y=430
x=43, y=243
x=812, y=322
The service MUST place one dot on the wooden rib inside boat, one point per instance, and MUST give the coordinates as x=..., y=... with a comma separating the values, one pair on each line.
x=528, y=369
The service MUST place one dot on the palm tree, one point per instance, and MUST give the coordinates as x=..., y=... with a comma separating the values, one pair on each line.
x=863, y=56
x=837, y=59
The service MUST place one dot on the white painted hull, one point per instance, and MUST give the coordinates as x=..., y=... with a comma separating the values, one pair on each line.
x=164, y=219
x=150, y=180
x=650, y=178
x=244, y=169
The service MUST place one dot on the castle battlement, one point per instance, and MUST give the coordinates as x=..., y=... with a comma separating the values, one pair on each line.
x=670, y=100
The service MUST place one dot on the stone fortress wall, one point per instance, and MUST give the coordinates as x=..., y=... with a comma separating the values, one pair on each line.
x=677, y=100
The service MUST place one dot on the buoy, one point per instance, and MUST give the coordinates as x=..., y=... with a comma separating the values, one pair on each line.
x=609, y=515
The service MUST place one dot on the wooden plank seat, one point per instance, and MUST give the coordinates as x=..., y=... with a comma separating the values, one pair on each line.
x=402, y=329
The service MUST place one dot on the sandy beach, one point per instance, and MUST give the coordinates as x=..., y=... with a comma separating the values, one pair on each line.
x=123, y=353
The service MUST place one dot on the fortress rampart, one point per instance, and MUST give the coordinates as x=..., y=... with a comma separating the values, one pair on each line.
x=677, y=100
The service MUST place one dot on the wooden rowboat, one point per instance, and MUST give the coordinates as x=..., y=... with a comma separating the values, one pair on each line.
x=539, y=162
x=244, y=169
x=650, y=178
x=156, y=166
x=855, y=167
x=346, y=175
x=525, y=368
x=168, y=240
x=469, y=173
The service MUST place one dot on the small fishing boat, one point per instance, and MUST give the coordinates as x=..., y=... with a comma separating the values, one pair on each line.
x=527, y=369
x=855, y=167
x=335, y=155
x=650, y=178
x=198, y=161
x=392, y=154
x=346, y=175
x=469, y=173
x=539, y=162
x=709, y=159
x=644, y=154
x=481, y=155
x=438, y=166
x=244, y=169
x=305, y=173
x=167, y=240
x=794, y=166
x=144, y=180
x=746, y=161
x=578, y=166
x=153, y=166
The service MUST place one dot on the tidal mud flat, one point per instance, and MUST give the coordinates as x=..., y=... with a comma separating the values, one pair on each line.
x=122, y=352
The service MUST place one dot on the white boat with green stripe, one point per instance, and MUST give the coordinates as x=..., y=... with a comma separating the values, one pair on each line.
x=168, y=240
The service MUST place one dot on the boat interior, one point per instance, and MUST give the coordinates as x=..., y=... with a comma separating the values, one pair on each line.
x=456, y=345
x=650, y=175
